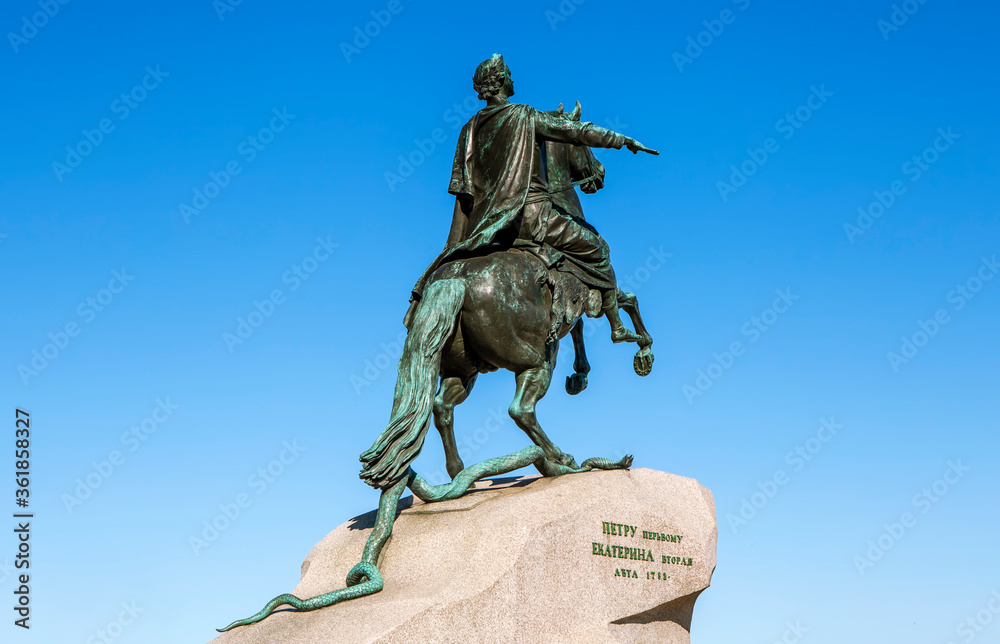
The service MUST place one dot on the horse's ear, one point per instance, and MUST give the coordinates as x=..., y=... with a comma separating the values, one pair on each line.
x=575, y=114
x=559, y=110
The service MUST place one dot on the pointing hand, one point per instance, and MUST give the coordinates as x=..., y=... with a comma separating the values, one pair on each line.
x=637, y=147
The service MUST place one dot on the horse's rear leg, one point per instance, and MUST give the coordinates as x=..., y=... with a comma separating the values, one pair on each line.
x=531, y=386
x=643, y=362
x=453, y=391
x=578, y=381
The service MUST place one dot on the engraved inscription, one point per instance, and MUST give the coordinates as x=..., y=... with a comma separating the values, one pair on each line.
x=635, y=553
x=659, y=536
x=622, y=552
x=683, y=561
x=618, y=529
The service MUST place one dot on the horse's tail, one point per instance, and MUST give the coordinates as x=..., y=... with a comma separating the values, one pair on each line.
x=419, y=368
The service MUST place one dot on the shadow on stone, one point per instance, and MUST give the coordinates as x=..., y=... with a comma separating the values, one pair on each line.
x=366, y=521
x=678, y=611
x=512, y=481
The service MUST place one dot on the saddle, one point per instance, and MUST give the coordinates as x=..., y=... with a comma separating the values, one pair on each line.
x=571, y=298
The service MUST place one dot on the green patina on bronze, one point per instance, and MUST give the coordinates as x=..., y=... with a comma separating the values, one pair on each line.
x=520, y=269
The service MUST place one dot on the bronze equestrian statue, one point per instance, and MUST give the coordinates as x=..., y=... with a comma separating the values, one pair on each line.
x=520, y=270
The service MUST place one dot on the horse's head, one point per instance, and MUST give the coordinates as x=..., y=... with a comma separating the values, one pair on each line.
x=583, y=165
x=570, y=116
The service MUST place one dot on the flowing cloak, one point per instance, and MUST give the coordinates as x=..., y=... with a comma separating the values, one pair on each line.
x=495, y=160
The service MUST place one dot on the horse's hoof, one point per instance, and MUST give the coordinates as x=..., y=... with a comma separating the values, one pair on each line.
x=568, y=461
x=643, y=362
x=455, y=469
x=576, y=383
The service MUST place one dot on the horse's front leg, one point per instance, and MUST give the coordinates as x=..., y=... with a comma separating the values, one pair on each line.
x=578, y=381
x=643, y=362
x=453, y=391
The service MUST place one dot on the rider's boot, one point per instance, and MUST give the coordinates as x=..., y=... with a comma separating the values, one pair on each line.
x=619, y=332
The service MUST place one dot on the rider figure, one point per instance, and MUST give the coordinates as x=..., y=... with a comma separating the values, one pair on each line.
x=502, y=194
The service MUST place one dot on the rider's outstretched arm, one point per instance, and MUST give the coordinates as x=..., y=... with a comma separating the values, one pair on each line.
x=555, y=128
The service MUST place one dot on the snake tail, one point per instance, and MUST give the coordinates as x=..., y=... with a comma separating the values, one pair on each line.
x=372, y=584
x=363, y=579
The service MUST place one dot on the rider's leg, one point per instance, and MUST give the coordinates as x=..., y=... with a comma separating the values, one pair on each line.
x=609, y=306
x=629, y=303
x=584, y=245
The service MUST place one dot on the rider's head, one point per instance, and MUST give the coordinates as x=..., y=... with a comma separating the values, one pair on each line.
x=492, y=78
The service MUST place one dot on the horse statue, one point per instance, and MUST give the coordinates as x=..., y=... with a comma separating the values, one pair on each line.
x=503, y=310
x=515, y=339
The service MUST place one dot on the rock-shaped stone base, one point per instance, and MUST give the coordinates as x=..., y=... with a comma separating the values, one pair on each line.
x=595, y=557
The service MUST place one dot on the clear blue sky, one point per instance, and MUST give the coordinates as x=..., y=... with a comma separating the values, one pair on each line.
x=118, y=116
